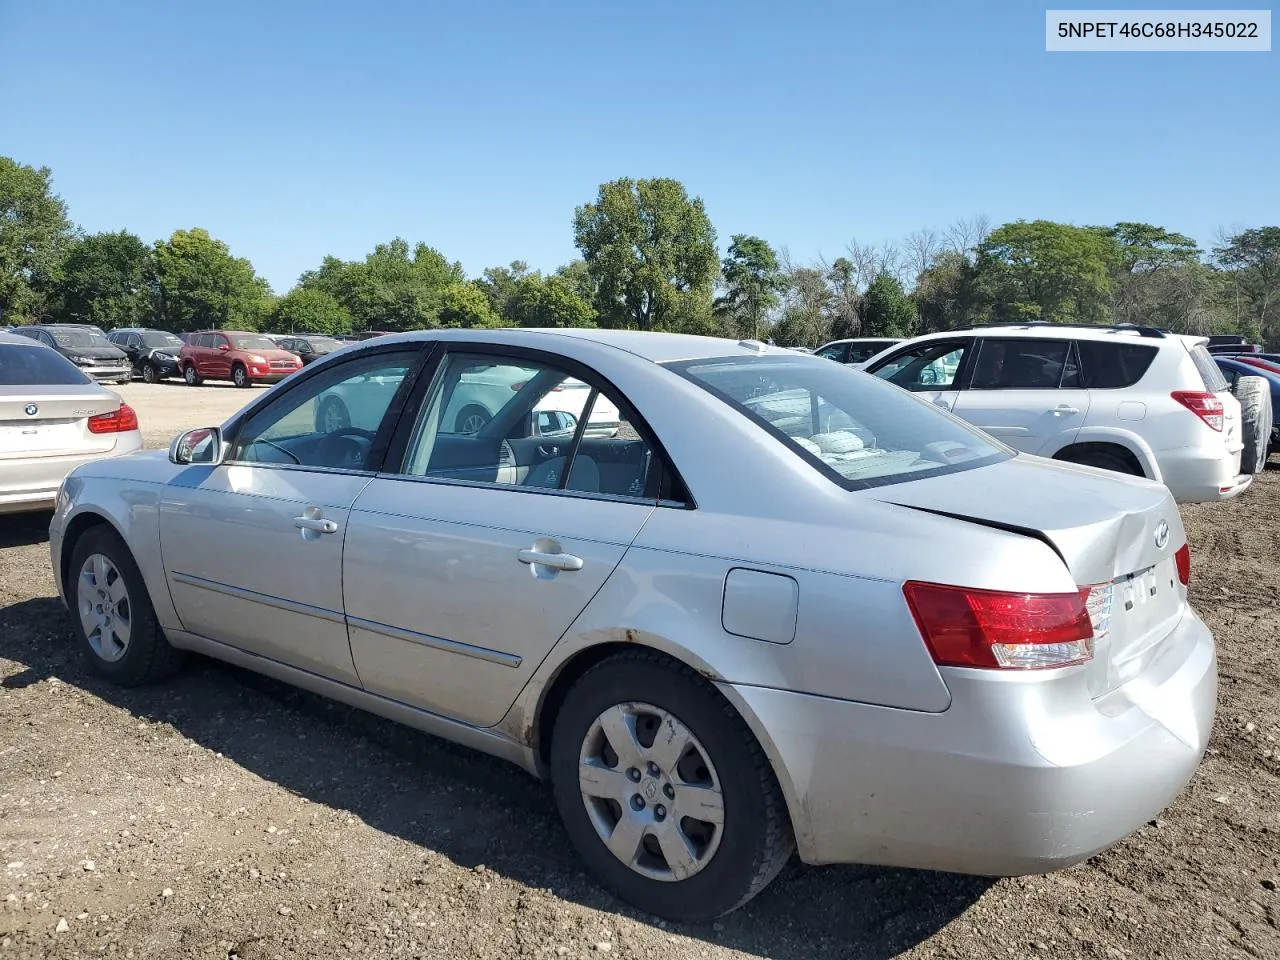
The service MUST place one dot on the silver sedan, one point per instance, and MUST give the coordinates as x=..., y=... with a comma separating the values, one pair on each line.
x=52, y=419
x=787, y=606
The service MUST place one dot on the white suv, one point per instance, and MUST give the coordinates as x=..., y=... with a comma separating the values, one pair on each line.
x=1132, y=399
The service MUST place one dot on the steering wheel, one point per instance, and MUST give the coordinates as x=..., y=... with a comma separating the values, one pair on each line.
x=342, y=448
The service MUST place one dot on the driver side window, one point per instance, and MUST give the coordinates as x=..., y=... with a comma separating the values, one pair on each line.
x=330, y=421
x=930, y=366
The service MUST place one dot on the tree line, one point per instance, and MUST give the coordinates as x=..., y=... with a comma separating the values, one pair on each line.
x=649, y=261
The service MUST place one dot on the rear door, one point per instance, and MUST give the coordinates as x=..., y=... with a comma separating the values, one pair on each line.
x=934, y=369
x=1027, y=392
x=464, y=568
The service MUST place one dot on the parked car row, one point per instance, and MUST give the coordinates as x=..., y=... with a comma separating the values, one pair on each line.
x=1130, y=399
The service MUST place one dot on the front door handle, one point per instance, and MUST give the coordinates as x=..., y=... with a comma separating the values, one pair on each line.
x=552, y=561
x=315, y=524
x=944, y=404
x=1063, y=410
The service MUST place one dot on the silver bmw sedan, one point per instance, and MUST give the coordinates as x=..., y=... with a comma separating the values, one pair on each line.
x=786, y=606
x=52, y=419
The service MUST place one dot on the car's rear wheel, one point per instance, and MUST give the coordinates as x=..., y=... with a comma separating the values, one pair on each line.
x=240, y=376
x=149, y=373
x=471, y=419
x=1103, y=460
x=664, y=791
x=112, y=614
x=189, y=374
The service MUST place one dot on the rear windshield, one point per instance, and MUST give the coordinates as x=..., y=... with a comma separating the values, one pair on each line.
x=36, y=366
x=323, y=344
x=253, y=342
x=1214, y=381
x=855, y=429
x=79, y=338
x=1106, y=365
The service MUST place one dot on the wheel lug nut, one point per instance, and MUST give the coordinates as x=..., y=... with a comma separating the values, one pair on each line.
x=653, y=769
x=660, y=812
x=634, y=775
x=670, y=791
x=637, y=802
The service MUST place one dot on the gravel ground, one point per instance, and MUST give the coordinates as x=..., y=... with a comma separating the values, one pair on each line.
x=224, y=815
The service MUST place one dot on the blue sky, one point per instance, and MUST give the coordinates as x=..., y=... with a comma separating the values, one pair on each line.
x=296, y=129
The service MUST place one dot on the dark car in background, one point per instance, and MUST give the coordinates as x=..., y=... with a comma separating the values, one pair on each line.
x=309, y=347
x=85, y=346
x=1234, y=369
x=153, y=353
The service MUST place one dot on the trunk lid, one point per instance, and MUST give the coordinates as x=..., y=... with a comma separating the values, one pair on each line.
x=1115, y=533
x=58, y=427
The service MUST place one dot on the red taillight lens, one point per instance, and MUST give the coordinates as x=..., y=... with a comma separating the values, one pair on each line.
x=1183, y=561
x=963, y=627
x=1206, y=406
x=117, y=421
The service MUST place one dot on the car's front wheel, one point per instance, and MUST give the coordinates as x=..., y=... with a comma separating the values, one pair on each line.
x=112, y=614
x=240, y=376
x=149, y=373
x=664, y=791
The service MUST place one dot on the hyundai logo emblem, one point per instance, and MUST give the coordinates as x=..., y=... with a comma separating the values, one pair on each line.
x=1162, y=535
x=31, y=410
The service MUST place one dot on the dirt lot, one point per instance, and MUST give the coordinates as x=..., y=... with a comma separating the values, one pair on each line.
x=225, y=816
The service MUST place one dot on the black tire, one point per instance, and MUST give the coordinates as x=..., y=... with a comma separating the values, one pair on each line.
x=1256, y=415
x=471, y=419
x=149, y=373
x=240, y=376
x=189, y=374
x=1102, y=460
x=756, y=840
x=148, y=656
x=332, y=415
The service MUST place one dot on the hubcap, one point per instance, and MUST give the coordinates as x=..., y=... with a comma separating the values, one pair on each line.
x=651, y=791
x=332, y=418
x=239, y=377
x=105, y=611
x=473, y=423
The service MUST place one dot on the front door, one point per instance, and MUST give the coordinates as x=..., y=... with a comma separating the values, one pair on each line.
x=253, y=546
x=931, y=369
x=1027, y=392
x=465, y=567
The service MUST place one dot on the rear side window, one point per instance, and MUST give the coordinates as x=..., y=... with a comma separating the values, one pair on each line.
x=1213, y=379
x=1107, y=365
x=1022, y=364
x=33, y=366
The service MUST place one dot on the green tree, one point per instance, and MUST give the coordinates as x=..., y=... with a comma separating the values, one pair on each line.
x=1046, y=271
x=944, y=293
x=200, y=284
x=34, y=236
x=549, y=302
x=651, y=252
x=464, y=304
x=303, y=310
x=1142, y=278
x=1253, y=257
x=753, y=281
x=501, y=285
x=393, y=288
x=887, y=311
x=107, y=280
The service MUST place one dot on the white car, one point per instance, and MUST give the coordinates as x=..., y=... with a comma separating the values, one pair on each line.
x=856, y=350
x=1130, y=399
x=53, y=418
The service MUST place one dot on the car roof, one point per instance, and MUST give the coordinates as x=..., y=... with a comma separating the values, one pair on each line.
x=20, y=339
x=650, y=345
x=1057, y=331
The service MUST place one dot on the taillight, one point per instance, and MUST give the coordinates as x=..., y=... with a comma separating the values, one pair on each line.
x=117, y=421
x=1204, y=405
x=1182, y=559
x=963, y=627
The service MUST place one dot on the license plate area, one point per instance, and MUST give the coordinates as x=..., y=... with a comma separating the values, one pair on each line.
x=36, y=437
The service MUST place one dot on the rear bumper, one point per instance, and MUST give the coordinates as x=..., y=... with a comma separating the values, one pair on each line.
x=31, y=485
x=1020, y=775
x=1195, y=476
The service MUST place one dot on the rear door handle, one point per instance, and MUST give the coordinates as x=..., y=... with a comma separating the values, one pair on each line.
x=1063, y=410
x=553, y=561
x=316, y=524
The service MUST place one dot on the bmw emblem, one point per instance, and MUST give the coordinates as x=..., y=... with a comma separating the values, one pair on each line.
x=31, y=410
x=1162, y=534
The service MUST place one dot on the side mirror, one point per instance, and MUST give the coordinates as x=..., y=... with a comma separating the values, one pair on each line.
x=223, y=348
x=202, y=446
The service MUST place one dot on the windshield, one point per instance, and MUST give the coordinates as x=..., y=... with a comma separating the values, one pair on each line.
x=323, y=344
x=253, y=342
x=36, y=366
x=79, y=338
x=161, y=340
x=855, y=429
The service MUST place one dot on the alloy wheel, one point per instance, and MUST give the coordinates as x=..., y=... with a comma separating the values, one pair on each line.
x=106, y=614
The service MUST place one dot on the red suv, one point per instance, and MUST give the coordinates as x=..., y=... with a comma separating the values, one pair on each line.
x=243, y=358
